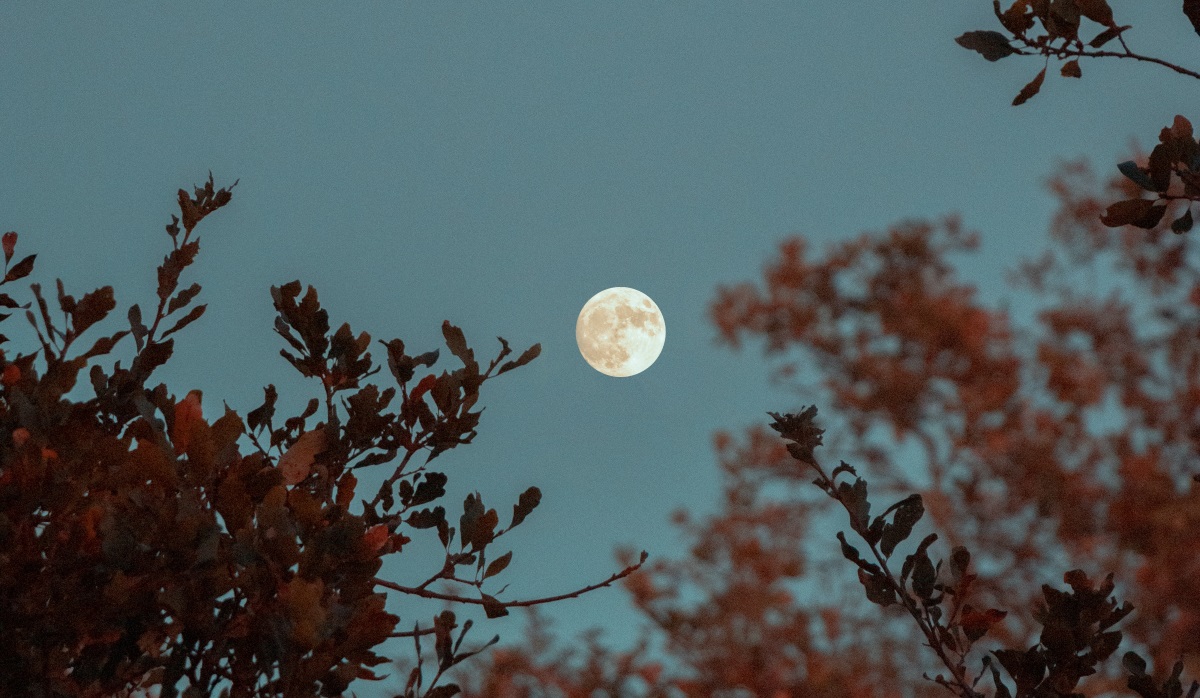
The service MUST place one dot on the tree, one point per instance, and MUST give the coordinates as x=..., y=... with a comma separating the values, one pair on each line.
x=145, y=545
x=1046, y=468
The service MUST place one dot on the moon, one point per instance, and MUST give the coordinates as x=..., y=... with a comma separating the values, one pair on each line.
x=620, y=332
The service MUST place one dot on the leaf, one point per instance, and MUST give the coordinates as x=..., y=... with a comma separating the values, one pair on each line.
x=345, y=489
x=991, y=45
x=1030, y=89
x=1016, y=19
x=1126, y=212
x=187, y=413
x=1096, y=10
x=923, y=576
x=975, y=623
x=960, y=559
x=92, y=308
x=1159, y=165
x=429, y=489
x=375, y=537
x=193, y=315
x=426, y=518
x=297, y=462
x=1107, y=35
x=472, y=511
x=1070, y=69
x=458, y=345
x=497, y=566
x=528, y=355
x=182, y=298
x=1191, y=9
x=21, y=269
x=493, y=607
x=528, y=501
x=879, y=590
x=104, y=345
x=1134, y=664
x=1136, y=175
x=10, y=244
x=138, y=329
x=154, y=355
x=1183, y=223
x=1151, y=219
x=908, y=513
x=260, y=416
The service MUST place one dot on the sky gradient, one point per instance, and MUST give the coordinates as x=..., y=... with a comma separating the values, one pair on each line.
x=497, y=164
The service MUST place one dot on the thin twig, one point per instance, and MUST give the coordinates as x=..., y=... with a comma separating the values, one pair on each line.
x=426, y=593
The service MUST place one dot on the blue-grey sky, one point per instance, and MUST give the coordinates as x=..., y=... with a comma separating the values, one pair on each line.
x=496, y=164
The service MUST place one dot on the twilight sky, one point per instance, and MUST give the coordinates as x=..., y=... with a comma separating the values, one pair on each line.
x=496, y=164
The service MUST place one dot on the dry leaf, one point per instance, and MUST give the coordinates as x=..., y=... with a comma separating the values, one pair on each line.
x=297, y=462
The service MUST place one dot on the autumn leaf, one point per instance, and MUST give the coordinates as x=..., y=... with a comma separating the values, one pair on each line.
x=187, y=413
x=375, y=537
x=10, y=244
x=1030, y=89
x=1096, y=10
x=297, y=462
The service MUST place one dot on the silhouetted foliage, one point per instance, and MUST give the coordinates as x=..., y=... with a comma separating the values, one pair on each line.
x=1058, y=449
x=141, y=547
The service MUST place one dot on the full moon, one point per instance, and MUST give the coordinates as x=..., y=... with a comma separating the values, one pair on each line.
x=620, y=332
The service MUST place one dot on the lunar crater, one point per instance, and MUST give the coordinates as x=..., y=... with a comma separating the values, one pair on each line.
x=620, y=332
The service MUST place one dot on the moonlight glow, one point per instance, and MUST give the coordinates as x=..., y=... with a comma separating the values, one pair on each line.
x=620, y=332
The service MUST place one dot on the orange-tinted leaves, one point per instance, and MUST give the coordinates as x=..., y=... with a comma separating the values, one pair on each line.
x=375, y=537
x=345, y=491
x=991, y=45
x=187, y=413
x=497, y=566
x=1030, y=89
x=976, y=623
x=1070, y=69
x=1017, y=18
x=424, y=386
x=297, y=462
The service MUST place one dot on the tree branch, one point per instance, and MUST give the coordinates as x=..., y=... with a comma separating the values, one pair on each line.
x=426, y=593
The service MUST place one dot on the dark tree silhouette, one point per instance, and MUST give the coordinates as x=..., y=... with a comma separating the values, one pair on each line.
x=141, y=547
x=1044, y=470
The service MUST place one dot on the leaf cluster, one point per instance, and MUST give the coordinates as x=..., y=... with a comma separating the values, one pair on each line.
x=143, y=544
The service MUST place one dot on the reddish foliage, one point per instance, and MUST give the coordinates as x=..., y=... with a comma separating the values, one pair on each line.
x=143, y=544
